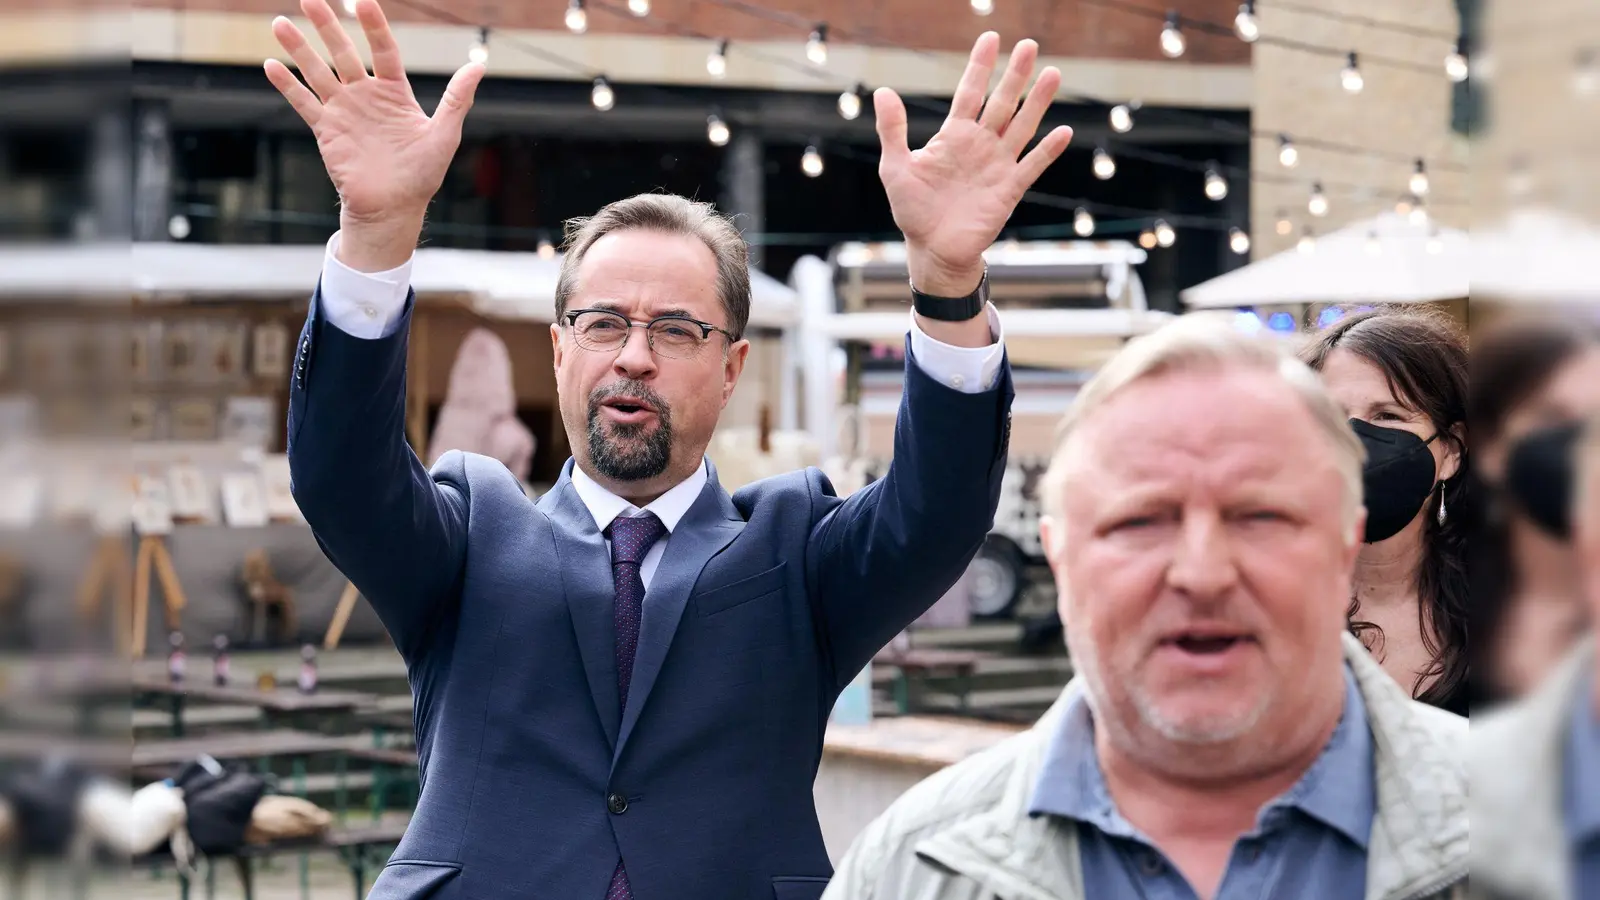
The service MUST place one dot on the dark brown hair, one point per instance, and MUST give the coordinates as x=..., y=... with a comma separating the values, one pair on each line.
x=1423, y=356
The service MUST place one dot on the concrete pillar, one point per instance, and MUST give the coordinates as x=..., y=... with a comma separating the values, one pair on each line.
x=744, y=188
x=152, y=171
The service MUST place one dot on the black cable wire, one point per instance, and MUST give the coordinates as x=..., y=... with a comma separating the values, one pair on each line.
x=1364, y=21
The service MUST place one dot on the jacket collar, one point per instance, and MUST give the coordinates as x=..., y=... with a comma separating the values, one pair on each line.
x=1419, y=835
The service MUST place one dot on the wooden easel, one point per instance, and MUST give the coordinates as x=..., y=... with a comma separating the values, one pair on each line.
x=109, y=564
x=341, y=617
x=153, y=552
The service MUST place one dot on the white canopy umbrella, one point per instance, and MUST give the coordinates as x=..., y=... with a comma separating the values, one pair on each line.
x=1387, y=259
x=1537, y=255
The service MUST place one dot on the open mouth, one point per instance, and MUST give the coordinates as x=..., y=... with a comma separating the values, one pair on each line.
x=1207, y=643
x=628, y=406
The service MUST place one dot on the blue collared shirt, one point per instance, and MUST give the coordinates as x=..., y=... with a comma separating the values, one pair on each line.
x=1582, y=789
x=1310, y=843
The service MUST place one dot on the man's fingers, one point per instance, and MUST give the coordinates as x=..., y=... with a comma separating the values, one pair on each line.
x=1040, y=157
x=890, y=113
x=307, y=59
x=346, y=61
x=974, y=82
x=1022, y=128
x=299, y=96
x=1002, y=103
x=385, y=50
x=458, y=96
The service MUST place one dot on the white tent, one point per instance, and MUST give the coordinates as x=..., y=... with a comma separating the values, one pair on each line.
x=506, y=285
x=1537, y=256
x=1383, y=260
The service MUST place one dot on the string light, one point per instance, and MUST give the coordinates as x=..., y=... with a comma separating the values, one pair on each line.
x=717, y=60
x=717, y=130
x=811, y=162
x=1082, y=223
x=602, y=96
x=983, y=7
x=640, y=8
x=1284, y=226
x=1165, y=235
x=1456, y=65
x=1350, y=76
x=817, y=45
x=1122, y=118
x=1374, y=248
x=1419, y=214
x=577, y=17
x=1288, y=154
x=479, y=51
x=1419, y=179
x=350, y=7
x=1245, y=24
x=1318, y=204
x=547, y=250
x=1405, y=204
x=1238, y=241
x=1586, y=78
x=1104, y=166
x=1172, y=41
x=178, y=227
x=1308, y=241
x=850, y=102
x=1147, y=239
x=1216, y=185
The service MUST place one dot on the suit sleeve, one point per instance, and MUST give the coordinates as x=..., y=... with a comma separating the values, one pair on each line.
x=882, y=557
x=395, y=530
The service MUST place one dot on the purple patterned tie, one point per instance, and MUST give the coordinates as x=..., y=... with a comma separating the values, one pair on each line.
x=631, y=539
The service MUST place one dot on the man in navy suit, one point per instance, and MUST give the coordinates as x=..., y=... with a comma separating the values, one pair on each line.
x=621, y=691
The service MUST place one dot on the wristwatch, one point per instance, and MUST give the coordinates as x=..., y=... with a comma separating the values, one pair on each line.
x=952, y=309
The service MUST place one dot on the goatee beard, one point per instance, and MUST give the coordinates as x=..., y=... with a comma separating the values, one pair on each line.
x=629, y=452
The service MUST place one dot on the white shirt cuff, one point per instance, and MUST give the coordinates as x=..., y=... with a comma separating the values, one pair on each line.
x=970, y=370
x=363, y=304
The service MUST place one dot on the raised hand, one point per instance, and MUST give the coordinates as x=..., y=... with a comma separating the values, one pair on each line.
x=386, y=157
x=951, y=198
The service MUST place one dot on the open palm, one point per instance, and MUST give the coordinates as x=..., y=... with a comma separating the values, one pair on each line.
x=952, y=197
x=382, y=152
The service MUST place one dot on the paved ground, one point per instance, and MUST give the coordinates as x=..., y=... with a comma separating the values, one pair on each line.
x=329, y=881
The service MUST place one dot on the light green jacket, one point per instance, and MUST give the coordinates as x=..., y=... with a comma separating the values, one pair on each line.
x=1516, y=759
x=965, y=833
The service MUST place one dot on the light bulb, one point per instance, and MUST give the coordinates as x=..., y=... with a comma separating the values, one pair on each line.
x=1404, y=205
x=1216, y=185
x=1419, y=215
x=1284, y=226
x=1121, y=118
x=1245, y=24
x=1147, y=239
x=178, y=227
x=717, y=60
x=1435, y=243
x=1318, y=204
x=479, y=51
x=350, y=6
x=1082, y=223
x=850, y=103
x=547, y=250
x=1165, y=235
x=639, y=8
x=1288, y=154
x=1238, y=241
x=1456, y=65
x=811, y=162
x=983, y=7
x=1308, y=241
x=577, y=17
x=1172, y=41
x=817, y=46
x=1350, y=76
x=1419, y=179
x=1104, y=165
x=602, y=96
x=717, y=130
x=1586, y=78
x=1374, y=248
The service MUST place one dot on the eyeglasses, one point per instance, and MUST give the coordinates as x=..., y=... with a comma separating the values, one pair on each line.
x=678, y=337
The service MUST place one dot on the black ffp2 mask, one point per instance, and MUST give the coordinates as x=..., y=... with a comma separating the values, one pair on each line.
x=1540, y=476
x=1397, y=479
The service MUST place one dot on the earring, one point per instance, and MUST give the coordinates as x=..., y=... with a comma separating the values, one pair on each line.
x=1441, y=508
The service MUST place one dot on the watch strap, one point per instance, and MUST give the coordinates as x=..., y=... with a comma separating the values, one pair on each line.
x=952, y=309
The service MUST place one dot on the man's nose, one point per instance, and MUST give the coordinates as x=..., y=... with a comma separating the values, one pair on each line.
x=635, y=358
x=1202, y=563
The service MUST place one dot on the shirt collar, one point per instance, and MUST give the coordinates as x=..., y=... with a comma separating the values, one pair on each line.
x=669, y=507
x=1583, y=768
x=1339, y=790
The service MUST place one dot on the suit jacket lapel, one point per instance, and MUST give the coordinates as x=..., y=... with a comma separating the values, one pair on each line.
x=710, y=525
x=585, y=570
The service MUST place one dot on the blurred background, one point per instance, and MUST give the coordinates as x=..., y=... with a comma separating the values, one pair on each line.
x=165, y=613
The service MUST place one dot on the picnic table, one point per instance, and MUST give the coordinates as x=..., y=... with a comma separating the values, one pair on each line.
x=280, y=707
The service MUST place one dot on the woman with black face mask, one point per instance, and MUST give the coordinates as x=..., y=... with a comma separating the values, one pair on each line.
x=1532, y=381
x=1401, y=376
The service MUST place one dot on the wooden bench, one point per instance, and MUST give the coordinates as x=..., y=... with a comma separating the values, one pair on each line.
x=362, y=848
x=913, y=667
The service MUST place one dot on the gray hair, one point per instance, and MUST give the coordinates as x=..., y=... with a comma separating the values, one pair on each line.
x=1209, y=342
x=671, y=214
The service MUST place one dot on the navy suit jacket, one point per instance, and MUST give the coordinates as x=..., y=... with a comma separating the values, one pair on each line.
x=765, y=604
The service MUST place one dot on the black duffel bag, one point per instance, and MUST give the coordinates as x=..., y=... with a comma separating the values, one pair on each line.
x=220, y=801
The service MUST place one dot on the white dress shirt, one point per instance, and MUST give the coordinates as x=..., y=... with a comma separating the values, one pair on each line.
x=371, y=305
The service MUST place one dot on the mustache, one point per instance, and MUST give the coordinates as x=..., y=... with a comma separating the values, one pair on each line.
x=627, y=388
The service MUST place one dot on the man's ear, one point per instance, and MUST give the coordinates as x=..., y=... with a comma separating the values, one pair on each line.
x=555, y=344
x=732, y=366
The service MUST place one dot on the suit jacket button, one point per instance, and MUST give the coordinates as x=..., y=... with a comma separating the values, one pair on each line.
x=617, y=803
